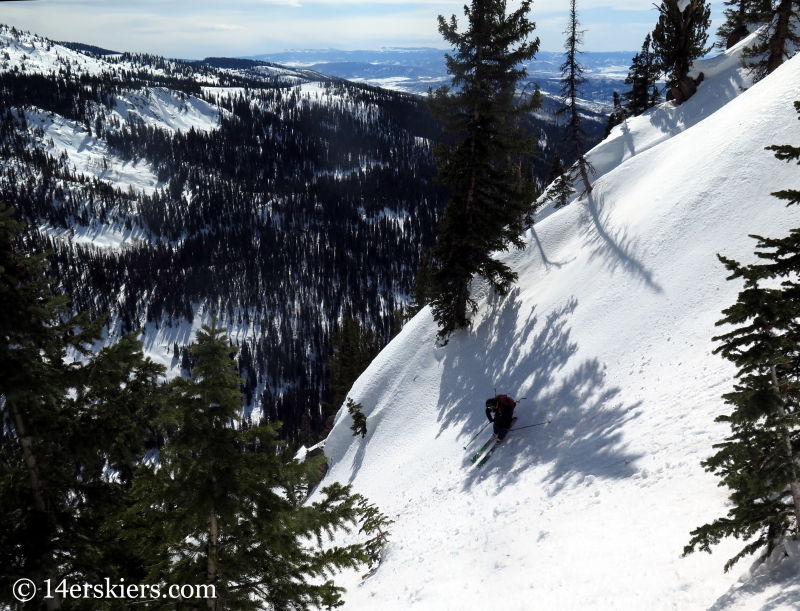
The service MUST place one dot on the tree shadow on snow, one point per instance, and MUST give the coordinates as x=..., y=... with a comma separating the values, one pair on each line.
x=615, y=247
x=708, y=99
x=547, y=262
x=583, y=436
x=782, y=579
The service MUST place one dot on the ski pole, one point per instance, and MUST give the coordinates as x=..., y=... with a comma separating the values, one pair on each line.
x=519, y=428
x=476, y=435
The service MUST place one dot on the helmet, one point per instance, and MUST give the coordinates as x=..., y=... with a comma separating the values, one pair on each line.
x=492, y=403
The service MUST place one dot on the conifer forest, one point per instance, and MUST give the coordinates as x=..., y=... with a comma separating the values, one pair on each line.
x=293, y=213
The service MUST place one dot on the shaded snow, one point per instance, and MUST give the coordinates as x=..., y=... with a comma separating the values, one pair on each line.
x=608, y=335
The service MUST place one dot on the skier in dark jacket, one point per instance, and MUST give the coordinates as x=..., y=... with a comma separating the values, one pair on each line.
x=500, y=411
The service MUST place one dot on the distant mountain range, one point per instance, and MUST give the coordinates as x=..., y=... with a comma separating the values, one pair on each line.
x=416, y=69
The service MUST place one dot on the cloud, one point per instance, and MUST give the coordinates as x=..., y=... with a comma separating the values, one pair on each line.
x=201, y=28
x=225, y=27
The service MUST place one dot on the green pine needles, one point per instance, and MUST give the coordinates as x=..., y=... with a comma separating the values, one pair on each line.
x=66, y=425
x=354, y=348
x=488, y=171
x=106, y=472
x=560, y=183
x=642, y=78
x=374, y=525
x=222, y=508
x=678, y=39
x=777, y=41
x=758, y=462
x=359, y=426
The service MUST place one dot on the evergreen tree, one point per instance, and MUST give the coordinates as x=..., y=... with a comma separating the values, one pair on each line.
x=66, y=425
x=225, y=511
x=777, y=42
x=571, y=80
x=642, y=77
x=354, y=348
x=655, y=96
x=741, y=17
x=359, y=426
x=560, y=183
x=489, y=193
x=421, y=290
x=616, y=117
x=374, y=523
x=787, y=152
x=678, y=39
x=758, y=462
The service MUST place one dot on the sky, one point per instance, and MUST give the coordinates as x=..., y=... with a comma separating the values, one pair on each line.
x=194, y=29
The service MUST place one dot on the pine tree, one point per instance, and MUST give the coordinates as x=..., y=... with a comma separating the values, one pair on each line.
x=225, y=511
x=678, y=39
x=489, y=193
x=787, y=152
x=655, y=96
x=642, y=77
x=67, y=424
x=354, y=348
x=560, y=183
x=421, y=291
x=617, y=116
x=759, y=462
x=740, y=19
x=374, y=523
x=571, y=80
x=777, y=42
x=359, y=426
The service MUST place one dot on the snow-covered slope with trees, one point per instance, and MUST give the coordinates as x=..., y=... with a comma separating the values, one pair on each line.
x=608, y=336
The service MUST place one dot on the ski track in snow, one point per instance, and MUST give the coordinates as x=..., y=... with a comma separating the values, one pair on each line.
x=608, y=335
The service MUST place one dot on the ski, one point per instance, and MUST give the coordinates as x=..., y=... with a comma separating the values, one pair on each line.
x=497, y=443
x=483, y=448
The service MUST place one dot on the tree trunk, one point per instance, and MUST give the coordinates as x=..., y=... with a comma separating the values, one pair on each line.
x=39, y=505
x=788, y=443
x=584, y=172
x=777, y=46
x=460, y=314
x=212, y=556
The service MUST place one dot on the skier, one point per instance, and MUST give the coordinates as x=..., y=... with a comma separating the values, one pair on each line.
x=500, y=411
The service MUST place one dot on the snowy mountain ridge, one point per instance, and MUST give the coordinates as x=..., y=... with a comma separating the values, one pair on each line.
x=608, y=336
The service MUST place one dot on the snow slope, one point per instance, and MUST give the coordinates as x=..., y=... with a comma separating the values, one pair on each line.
x=608, y=336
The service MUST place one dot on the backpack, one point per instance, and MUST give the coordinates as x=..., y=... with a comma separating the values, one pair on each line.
x=507, y=404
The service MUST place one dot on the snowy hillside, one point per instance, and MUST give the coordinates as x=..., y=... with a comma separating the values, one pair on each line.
x=608, y=336
x=280, y=199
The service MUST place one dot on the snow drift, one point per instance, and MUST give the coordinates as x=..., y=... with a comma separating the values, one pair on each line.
x=608, y=335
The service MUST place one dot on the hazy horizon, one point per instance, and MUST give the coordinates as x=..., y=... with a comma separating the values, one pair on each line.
x=245, y=28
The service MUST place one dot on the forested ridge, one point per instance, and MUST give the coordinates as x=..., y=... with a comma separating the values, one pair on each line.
x=292, y=214
x=298, y=209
